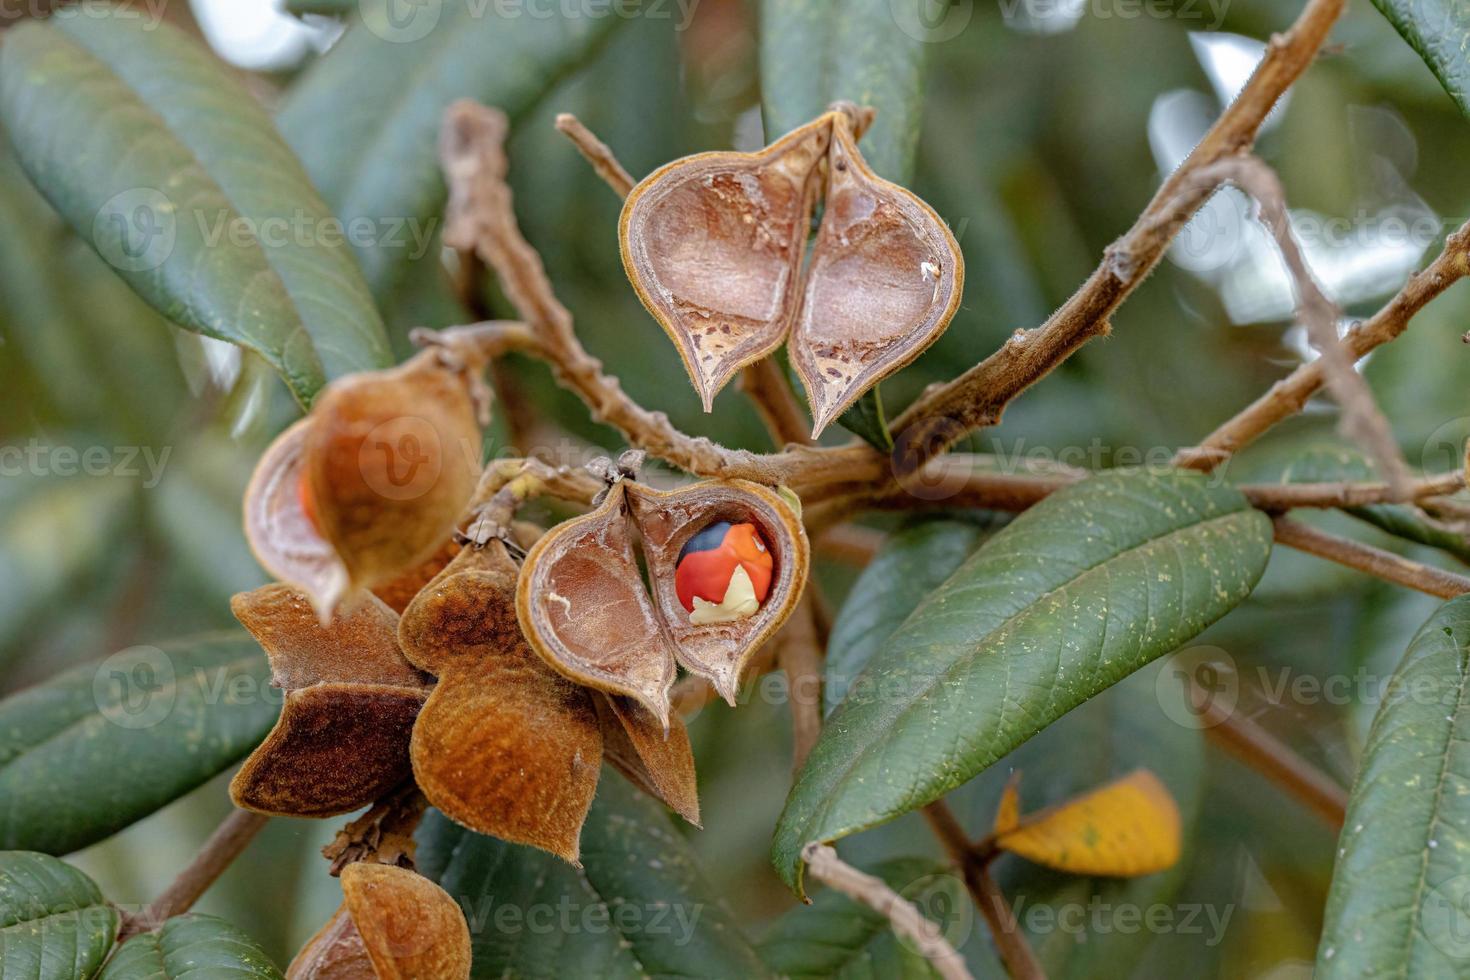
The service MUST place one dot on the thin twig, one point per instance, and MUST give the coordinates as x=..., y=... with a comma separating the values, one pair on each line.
x=1375, y=561
x=824, y=864
x=973, y=863
x=1361, y=419
x=597, y=153
x=1272, y=758
x=227, y=842
x=850, y=544
x=767, y=388
x=979, y=396
x=799, y=654
x=1289, y=395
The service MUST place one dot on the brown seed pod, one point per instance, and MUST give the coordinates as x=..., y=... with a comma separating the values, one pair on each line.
x=504, y=745
x=583, y=605
x=714, y=244
x=351, y=699
x=369, y=484
x=394, y=924
x=662, y=765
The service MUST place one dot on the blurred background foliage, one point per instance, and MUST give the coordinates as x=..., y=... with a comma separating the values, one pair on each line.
x=1043, y=135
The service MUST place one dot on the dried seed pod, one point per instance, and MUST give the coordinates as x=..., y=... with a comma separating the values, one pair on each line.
x=667, y=520
x=399, y=592
x=394, y=924
x=662, y=765
x=884, y=280
x=351, y=699
x=714, y=244
x=583, y=606
x=504, y=745
x=369, y=484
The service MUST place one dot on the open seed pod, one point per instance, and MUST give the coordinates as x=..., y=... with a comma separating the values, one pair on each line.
x=393, y=924
x=351, y=699
x=715, y=244
x=370, y=483
x=584, y=607
x=505, y=745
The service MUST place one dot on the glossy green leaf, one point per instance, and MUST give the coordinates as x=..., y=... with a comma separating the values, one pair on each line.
x=639, y=906
x=172, y=171
x=187, y=947
x=365, y=118
x=840, y=938
x=54, y=923
x=1074, y=595
x=1440, y=31
x=94, y=749
x=1325, y=464
x=912, y=563
x=1400, y=899
x=325, y=8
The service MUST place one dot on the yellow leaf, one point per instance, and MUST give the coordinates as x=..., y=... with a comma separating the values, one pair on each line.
x=1127, y=828
x=1008, y=811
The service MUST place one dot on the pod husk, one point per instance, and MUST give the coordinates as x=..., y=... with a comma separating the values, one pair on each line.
x=411, y=928
x=351, y=699
x=504, y=746
x=659, y=763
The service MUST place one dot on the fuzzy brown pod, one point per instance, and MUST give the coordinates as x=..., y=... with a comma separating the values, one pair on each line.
x=583, y=605
x=505, y=745
x=393, y=924
x=351, y=698
x=370, y=484
x=715, y=245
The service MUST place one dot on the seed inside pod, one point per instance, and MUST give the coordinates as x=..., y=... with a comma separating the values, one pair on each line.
x=723, y=573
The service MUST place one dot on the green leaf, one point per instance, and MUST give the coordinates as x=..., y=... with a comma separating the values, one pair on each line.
x=638, y=907
x=840, y=938
x=912, y=563
x=54, y=924
x=1440, y=31
x=1326, y=464
x=813, y=53
x=91, y=751
x=1074, y=595
x=1400, y=898
x=365, y=118
x=172, y=171
x=325, y=8
x=190, y=946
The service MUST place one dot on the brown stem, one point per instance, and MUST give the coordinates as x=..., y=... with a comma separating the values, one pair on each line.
x=1289, y=395
x=973, y=863
x=800, y=657
x=597, y=153
x=1273, y=759
x=978, y=397
x=766, y=387
x=1375, y=561
x=824, y=865
x=229, y=839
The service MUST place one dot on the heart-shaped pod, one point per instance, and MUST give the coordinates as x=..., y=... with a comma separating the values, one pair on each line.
x=370, y=483
x=884, y=280
x=714, y=243
x=583, y=605
x=716, y=247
